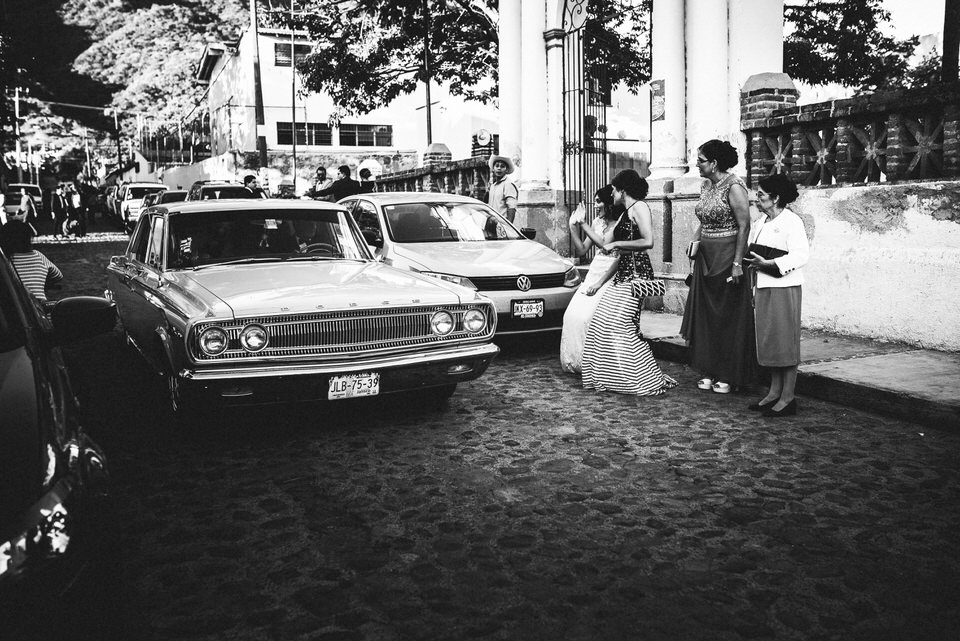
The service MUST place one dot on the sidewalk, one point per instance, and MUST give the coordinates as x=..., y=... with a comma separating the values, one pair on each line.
x=906, y=382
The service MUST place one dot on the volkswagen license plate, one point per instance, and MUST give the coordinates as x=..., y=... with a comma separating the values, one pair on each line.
x=353, y=385
x=528, y=308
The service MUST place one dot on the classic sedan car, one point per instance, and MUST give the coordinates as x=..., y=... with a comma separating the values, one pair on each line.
x=266, y=301
x=56, y=521
x=461, y=240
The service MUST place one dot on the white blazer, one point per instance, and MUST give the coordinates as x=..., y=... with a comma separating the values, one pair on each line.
x=786, y=232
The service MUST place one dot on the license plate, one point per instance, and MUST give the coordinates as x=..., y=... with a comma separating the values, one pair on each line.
x=528, y=308
x=354, y=385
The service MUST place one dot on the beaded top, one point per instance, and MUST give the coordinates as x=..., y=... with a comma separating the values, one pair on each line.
x=713, y=209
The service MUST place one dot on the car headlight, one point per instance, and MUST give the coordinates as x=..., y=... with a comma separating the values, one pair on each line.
x=441, y=323
x=254, y=338
x=572, y=277
x=213, y=341
x=474, y=321
x=463, y=281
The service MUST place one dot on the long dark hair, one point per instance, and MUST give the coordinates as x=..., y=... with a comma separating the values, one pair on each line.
x=629, y=181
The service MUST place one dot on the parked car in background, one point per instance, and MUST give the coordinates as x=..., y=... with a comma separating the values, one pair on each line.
x=240, y=302
x=215, y=190
x=130, y=198
x=13, y=194
x=57, y=530
x=461, y=240
x=170, y=196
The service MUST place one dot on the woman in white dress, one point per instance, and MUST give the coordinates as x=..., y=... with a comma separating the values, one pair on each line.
x=604, y=266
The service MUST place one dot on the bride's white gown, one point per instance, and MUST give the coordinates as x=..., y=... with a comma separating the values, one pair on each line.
x=577, y=317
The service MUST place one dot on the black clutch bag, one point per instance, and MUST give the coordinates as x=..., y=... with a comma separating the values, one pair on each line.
x=766, y=252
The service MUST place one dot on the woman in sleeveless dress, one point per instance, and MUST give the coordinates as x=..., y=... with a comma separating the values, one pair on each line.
x=718, y=317
x=577, y=316
x=615, y=356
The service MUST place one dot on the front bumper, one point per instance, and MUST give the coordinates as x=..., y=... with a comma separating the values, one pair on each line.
x=555, y=301
x=266, y=383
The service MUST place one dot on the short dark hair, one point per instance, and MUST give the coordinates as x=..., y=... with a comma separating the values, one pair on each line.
x=15, y=237
x=629, y=181
x=344, y=169
x=722, y=151
x=364, y=173
x=781, y=188
x=322, y=169
x=249, y=178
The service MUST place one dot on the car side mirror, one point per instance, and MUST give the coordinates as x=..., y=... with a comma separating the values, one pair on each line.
x=528, y=232
x=80, y=317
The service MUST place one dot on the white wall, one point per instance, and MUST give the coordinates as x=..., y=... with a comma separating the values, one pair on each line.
x=884, y=262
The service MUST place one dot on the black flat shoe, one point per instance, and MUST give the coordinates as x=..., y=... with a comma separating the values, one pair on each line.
x=790, y=409
x=759, y=407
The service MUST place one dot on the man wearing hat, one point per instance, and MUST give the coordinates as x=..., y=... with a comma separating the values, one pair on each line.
x=503, y=192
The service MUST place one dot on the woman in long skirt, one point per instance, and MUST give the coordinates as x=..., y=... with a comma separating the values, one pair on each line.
x=615, y=356
x=718, y=317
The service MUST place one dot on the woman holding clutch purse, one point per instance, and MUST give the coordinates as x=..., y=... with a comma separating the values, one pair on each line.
x=718, y=317
x=779, y=232
x=577, y=316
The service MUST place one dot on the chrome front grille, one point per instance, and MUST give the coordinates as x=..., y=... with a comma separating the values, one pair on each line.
x=506, y=283
x=334, y=333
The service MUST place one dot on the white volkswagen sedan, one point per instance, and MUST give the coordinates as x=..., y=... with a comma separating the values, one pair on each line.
x=461, y=240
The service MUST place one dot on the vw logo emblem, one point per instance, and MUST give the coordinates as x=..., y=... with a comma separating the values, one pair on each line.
x=523, y=283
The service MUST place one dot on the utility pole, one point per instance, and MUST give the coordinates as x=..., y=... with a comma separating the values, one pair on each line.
x=293, y=97
x=426, y=66
x=16, y=126
x=951, y=41
x=258, y=86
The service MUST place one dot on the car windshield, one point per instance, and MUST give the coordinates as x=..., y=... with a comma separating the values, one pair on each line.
x=172, y=197
x=140, y=192
x=446, y=222
x=223, y=191
x=206, y=238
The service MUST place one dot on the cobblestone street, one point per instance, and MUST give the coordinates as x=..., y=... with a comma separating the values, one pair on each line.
x=523, y=508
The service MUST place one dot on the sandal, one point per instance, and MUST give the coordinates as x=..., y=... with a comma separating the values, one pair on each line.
x=705, y=383
x=721, y=388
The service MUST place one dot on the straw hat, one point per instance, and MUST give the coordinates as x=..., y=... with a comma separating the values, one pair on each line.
x=504, y=159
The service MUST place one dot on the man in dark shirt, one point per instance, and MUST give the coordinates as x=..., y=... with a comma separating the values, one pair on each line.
x=251, y=185
x=342, y=187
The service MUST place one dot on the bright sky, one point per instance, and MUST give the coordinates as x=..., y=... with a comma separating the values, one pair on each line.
x=915, y=17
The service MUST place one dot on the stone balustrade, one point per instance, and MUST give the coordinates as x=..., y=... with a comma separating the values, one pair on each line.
x=895, y=136
x=468, y=177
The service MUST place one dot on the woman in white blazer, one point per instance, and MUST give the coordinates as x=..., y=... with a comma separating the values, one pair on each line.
x=778, y=291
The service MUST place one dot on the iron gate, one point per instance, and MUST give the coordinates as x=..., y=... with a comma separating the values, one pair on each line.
x=585, y=163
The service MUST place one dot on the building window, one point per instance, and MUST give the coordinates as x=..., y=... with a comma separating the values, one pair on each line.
x=309, y=133
x=281, y=53
x=366, y=135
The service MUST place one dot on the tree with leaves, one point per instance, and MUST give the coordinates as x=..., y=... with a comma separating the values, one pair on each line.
x=836, y=41
x=368, y=52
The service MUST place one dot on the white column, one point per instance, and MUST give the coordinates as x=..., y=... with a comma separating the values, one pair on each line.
x=510, y=81
x=668, y=136
x=554, y=44
x=756, y=46
x=533, y=102
x=707, y=77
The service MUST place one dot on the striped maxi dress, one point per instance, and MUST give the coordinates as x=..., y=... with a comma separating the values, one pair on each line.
x=616, y=358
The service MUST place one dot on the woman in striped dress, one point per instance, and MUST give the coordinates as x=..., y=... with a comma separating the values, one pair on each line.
x=35, y=269
x=615, y=356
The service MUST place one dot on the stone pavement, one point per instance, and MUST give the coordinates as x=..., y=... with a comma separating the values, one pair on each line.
x=906, y=382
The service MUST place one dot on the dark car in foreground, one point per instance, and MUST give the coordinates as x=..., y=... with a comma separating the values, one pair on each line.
x=55, y=519
x=247, y=302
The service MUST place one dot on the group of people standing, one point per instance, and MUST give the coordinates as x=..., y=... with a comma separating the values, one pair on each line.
x=743, y=307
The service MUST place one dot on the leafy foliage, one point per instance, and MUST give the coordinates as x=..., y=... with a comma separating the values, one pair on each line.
x=368, y=52
x=840, y=41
